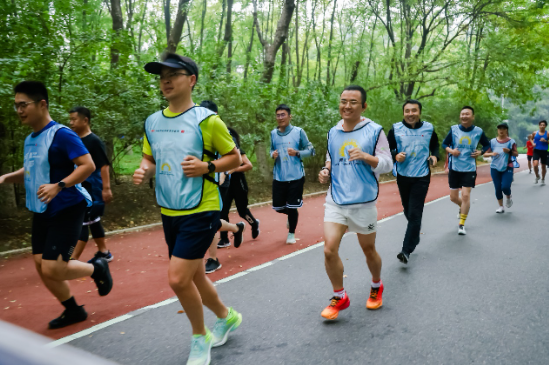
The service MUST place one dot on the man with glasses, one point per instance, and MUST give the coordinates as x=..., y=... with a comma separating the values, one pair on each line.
x=357, y=154
x=413, y=144
x=57, y=200
x=289, y=144
x=179, y=149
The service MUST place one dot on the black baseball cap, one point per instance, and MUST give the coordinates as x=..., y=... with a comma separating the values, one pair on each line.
x=503, y=125
x=174, y=61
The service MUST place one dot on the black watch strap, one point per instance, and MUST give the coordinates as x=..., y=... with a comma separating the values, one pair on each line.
x=61, y=184
x=211, y=167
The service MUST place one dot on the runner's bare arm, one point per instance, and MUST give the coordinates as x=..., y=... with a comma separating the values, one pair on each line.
x=246, y=166
x=84, y=167
x=194, y=167
x=146, y=169
x=16, y=177
x=107, y=195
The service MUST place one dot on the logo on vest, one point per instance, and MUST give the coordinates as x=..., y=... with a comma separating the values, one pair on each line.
x=348, y=144
x=465, y=138
x=166, y=169
x=168, y=130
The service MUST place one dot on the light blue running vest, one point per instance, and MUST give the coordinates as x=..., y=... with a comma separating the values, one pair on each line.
x=352, y=182
x=287, y=167
x=415, y=143
x=171, y=140
x=37, y=168
x=466, y=143
x=500, y=162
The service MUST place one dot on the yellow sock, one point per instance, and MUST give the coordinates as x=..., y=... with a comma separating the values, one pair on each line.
x=462, y=219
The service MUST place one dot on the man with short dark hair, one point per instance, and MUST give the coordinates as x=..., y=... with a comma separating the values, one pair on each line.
x=461, y=145
x=57, y=200
x=358, y=153
x=540, y=152
x=180, y=148
x=289, y=144
x=413, y=144
x=97, y=184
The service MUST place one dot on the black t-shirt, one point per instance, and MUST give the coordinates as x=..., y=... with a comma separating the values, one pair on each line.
x=97, y=150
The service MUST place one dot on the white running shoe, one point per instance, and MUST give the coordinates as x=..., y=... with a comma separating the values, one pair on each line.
x=500, y=210
x=542, y=182
x=536, y=180
x=509, y=201
x=291, y=239
x=461, y=230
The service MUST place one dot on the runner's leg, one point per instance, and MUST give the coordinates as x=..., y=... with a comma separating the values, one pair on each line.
x=497, y=182
x=180, y=277
x=333, y=263
x=374, y=262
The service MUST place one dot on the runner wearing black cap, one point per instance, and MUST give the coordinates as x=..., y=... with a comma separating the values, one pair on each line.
x=179, y=149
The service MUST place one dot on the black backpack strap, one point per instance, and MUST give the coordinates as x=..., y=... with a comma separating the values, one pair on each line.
x=209, y=178
x=210, y=154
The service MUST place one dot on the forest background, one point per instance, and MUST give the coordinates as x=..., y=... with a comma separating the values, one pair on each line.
x=254, y=55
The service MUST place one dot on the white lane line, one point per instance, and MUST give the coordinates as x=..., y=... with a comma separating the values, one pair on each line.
x=88, y=331
x=267, y=264
x=159, y=304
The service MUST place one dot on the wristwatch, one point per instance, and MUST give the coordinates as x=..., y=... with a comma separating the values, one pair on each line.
x=61, y=184
x=211, y=167
x=297, y=154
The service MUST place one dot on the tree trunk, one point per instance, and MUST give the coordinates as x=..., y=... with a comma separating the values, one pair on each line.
x=167, y=18
x=260, y=150
x=330, y=44
x=221, y=22
x=248, y=51
x=118, y=26
x=177, y=29
x=281, y=34
x=203, y=15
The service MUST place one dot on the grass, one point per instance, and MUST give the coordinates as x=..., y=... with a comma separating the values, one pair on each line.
x=129, y=162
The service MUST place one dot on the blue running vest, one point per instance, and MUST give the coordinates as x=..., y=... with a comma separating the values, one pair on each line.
x=286, y=167
x=352, y=182
x=171, y=140
x=416, y=145
x=466, y=143
x=539, y=145
x=501, y=161
x=37, y=168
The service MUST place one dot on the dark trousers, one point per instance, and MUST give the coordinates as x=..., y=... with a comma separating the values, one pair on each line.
x=502, y=181
x=238, y=191
x=413, y=193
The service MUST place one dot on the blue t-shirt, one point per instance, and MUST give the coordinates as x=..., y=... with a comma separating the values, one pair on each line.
x=65, y=147
x=539, y=145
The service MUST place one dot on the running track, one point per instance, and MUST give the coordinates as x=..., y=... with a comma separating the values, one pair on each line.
x=140, y=266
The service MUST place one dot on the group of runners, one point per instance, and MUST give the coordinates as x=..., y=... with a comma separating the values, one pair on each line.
x=199, y=170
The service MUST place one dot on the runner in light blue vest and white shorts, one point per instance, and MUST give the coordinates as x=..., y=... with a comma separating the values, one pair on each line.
x=358, y=153
x=289, y=144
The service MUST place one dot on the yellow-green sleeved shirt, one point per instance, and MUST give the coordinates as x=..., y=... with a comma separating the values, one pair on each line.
x=216, y=138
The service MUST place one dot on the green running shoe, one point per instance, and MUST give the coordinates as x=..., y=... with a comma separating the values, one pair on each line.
x=200, y=349
x=223, y=327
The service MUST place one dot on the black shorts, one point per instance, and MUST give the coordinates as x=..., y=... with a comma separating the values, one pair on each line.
x=462, y=179
x=190, y=236
x=288, y=194
x=529, y=157
x=541, y=155
x=52, y=236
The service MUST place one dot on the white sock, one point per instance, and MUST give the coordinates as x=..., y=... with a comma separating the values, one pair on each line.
x=375, y=284
x=341, y=294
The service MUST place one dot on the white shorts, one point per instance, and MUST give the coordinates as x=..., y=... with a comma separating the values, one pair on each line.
x=359, y=220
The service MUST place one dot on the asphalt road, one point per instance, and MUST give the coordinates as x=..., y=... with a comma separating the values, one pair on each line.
x=475, y=299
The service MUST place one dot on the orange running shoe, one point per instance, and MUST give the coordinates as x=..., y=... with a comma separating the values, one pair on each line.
x=336, y=305
x=375, y=298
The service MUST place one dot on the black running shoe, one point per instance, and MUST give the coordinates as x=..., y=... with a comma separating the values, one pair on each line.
x=403, y=257
x=102, y=276
x=212, y=265
x=256, y=229
x=69, y=317
x=223, y=244
x=108, y=257
x=238, y=236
